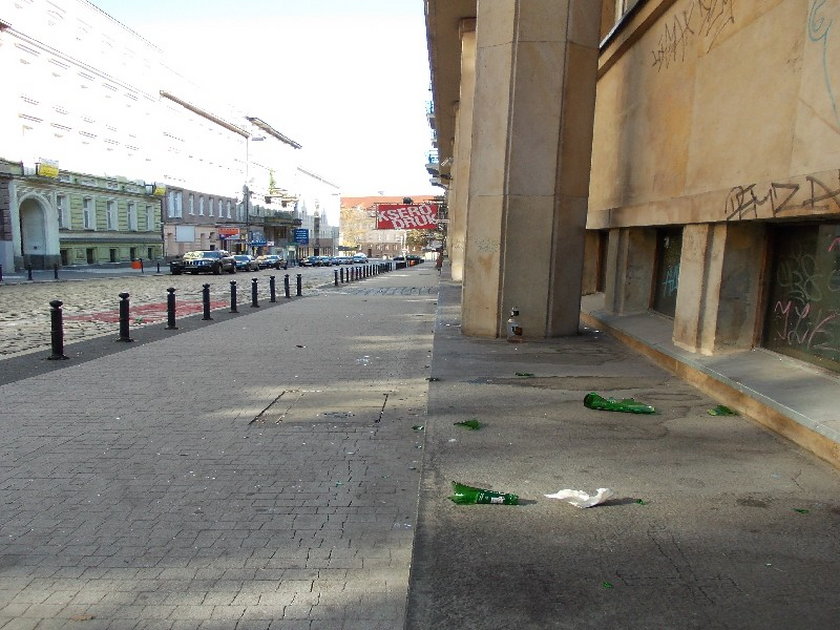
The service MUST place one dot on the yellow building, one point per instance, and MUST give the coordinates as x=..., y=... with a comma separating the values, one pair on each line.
x=674, y=162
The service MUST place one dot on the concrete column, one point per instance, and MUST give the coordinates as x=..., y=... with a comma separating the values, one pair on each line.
x=536, y=64
x=631, y=260
x=719, y=287
x=460, y=171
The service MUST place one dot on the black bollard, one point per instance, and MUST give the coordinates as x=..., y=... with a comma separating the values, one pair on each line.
x=233, y=308
x=205, y=298
x=342, y=275
x=1, y=273
x=272, y=289
x=158, y=267
x=28, y=272
x=170, y=309
x=56, y=331
x=254, y=302
x=299, y=285
x=55, y=272
x=336, y=277
x=142, y=269
x=286, y=285
x=124, y=334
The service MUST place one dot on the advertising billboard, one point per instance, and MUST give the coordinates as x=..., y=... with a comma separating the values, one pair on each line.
x=402, y=216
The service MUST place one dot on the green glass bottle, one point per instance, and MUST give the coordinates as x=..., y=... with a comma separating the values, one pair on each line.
x=628, y=405
x=469, y=495
x=472, y=424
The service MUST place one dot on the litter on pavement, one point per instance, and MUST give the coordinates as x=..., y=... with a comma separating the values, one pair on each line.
x=581, y=499
x=472, y=424
x=628, y=405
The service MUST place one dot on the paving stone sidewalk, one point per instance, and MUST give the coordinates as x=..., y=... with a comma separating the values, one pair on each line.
x=258, y=472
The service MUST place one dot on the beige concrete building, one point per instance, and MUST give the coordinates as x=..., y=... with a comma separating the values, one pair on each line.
x=674, y=162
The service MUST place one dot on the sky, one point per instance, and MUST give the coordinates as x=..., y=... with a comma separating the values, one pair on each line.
x=347, y=79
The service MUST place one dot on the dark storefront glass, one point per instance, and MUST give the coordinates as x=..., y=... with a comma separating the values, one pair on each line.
x=803, y=308
x=668, y=250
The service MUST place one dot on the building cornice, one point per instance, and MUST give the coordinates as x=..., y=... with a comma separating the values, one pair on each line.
x=205, y=114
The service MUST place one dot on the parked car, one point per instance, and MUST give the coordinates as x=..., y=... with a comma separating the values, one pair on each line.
x=360, y=259
x=246, y=262
x=414, y=259
x=211, y=261
x=271, y=261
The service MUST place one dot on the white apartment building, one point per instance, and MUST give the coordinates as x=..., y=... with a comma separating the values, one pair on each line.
x=107, y=153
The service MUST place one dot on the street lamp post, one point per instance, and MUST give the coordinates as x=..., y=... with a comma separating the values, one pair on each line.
x=246, y=199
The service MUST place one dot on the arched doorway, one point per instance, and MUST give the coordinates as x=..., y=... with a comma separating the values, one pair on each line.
x=33, y=234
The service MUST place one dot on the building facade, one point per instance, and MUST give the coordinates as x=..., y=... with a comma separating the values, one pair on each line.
x=89, y=103
x=672, y=161
x=66, y=218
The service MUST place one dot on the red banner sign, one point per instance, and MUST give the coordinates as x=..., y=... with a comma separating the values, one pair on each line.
x=402, y=216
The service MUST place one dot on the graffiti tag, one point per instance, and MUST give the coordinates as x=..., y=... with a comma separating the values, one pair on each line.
x=704, y=19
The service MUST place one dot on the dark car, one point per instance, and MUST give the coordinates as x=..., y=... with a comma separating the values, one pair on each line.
x=246, y=262
x=212, y=261
x=271, y=261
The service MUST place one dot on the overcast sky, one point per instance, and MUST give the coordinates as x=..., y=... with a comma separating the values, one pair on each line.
x=347, y=79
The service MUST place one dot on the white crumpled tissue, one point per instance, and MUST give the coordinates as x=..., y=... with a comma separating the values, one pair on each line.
x=582, y=499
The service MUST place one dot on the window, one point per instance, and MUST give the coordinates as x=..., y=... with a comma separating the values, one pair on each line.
x=174, y=204
x=111, y=215
x=803, y=305
x=191, y=204
x=132, y=216
x=228, y=209
x=668, y=252
x=63, y=211
x=150, y=218
x=210, y=207
x=201, y=206
x=88, y=214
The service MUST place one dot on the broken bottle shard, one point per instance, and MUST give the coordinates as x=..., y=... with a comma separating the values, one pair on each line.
x=628, y=405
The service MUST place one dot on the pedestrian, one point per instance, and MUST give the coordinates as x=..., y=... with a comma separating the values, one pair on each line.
x=439, y=261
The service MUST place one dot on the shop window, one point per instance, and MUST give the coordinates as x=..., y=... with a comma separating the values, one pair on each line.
x=90, y=255
x=112, y=255
x=668, y=250
x=803, y=307
x=65, y=257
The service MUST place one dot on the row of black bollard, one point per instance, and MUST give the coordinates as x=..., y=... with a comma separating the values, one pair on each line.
x=57, y=317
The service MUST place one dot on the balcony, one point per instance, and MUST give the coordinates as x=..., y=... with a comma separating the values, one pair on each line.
x=432, y=165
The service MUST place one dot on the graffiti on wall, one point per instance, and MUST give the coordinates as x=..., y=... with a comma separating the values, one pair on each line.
x=703, y=19
x=806, y=295
x=819, y=31
x=752, y=201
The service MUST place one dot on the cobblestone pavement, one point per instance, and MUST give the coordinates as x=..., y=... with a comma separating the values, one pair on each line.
x=91, y=306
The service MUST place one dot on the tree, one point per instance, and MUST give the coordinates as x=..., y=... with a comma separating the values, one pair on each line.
x=355, y=223
x=416, y=239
